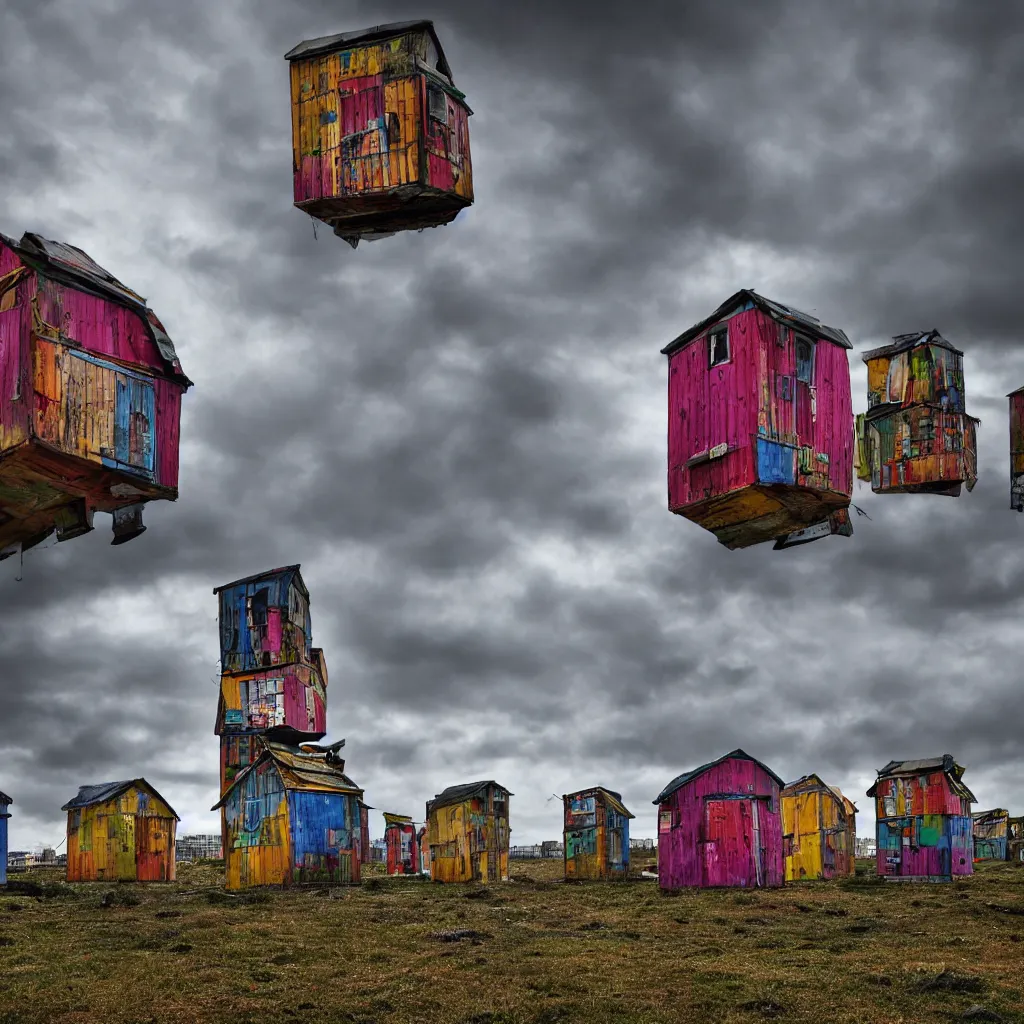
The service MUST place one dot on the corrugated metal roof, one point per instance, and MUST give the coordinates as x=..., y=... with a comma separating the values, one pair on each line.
x=783, y=314
x=946, y=764
x=263, y=576
x=342, y=40
x=396, y=819
x=996, y=812
x=104, y=791
x=613, y=798
x=456, y=794
x=904, y=342
x=71, y=265
x=844, y=799
x=299, y=770
x=681, y=780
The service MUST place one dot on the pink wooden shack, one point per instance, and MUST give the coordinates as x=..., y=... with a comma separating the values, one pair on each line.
x=760, y=428
x=720, y=825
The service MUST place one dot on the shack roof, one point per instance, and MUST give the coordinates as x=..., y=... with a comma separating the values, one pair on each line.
x=996, y=812
x=905, y=342
x=925, y=766
x=787, y=315
x=104, y=791
x=457, y=794
x=817, y=780
x=396, y=819
x=300, y=770
x=5, y=799
x=681, y=780
x=613, y=798
x=343, y=40
x=269, y=574
x=71, y=266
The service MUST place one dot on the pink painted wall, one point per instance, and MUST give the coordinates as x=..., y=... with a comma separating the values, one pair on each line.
x=692, y=849
x=296, y=711
x=736, y=402
x=101, y=327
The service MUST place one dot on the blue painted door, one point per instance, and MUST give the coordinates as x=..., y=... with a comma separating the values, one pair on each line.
x=134, y=424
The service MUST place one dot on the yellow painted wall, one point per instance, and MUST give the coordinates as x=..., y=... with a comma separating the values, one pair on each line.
x=260, y=858
x=451, y=836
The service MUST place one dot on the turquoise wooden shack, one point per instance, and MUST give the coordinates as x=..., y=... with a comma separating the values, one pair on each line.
x=5, y=802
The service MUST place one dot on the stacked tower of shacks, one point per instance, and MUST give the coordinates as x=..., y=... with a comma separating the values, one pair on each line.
x=289, y=814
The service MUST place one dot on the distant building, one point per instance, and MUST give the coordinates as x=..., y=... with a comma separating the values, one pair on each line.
x=1015, y=839
x=198, y=847
x=120, y=831
x=866, y=846
x=402, y=847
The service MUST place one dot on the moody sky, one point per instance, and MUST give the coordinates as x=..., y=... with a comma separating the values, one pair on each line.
x=460, y=434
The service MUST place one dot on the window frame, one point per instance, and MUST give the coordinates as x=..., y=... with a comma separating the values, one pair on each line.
x=798, y=340
x=718, y=331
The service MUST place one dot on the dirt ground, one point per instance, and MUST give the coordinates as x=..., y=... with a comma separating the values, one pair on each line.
x=534, y=949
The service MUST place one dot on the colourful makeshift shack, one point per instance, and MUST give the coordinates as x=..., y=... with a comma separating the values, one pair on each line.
x=760, y=424
x=91, y=391
x=923, y=818
x=721, y=825
x=916, y=437
x=595, y=832
x=423, y=842
x=120, y=832
x=291, y=818
x=380, y=134
x=991, y=834
x=403, y=857
x=819, y=831
x=468, y=833
x=273, y=681
x=1015, y=840
x=1017, y=449
x=5, y=802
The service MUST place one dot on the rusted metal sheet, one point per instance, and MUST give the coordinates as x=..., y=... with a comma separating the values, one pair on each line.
x=991, y=834
x=293, y=817
x=819, y=831
x=720, y=825
x=468, y=833
x=403, y=856
x=760, y=431
x=90, y=397
x=120, y=831
x=380, y=134
x=923, y=820
x=916, y=437
x=596, y=834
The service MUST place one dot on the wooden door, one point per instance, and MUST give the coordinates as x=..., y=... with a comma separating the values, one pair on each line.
x=731, y=851
x=364, y=138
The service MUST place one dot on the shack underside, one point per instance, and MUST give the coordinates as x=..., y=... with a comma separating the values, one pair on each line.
x=762, y=512
x=28, y=475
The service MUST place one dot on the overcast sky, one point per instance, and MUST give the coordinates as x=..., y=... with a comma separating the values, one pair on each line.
x=460, y=434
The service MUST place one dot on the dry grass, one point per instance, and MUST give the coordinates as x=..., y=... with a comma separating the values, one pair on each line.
x=537, y=951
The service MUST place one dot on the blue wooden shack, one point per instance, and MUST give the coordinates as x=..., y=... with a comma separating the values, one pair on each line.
x=5, y=802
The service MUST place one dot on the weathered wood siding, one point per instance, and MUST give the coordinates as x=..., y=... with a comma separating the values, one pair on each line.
x=819, y=835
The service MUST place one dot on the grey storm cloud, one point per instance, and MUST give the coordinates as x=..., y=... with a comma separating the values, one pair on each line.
x=460, y=434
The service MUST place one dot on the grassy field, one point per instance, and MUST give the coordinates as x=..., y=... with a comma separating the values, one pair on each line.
x=531, y=950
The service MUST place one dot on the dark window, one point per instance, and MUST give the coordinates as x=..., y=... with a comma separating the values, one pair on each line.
x=804, y=360
x=437, y=104
x=394, y=129
x=718, y=346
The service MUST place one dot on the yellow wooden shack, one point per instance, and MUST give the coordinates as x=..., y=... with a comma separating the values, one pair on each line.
x=468, y=833
x=120, y=831
x=818, y=830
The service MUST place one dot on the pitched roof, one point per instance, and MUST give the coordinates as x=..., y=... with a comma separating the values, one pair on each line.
x=905, y=342
x=104, y=791
x=396, y=819
x=456, y=794
x=835, y=790
x=996, y=812
x=325, y=44
x=257, y=577
x=304, y=771
x=681, y=780
x=72, y=266
x=787, y=315
x=613, y=798
x=5, y=799
x=925, y=766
